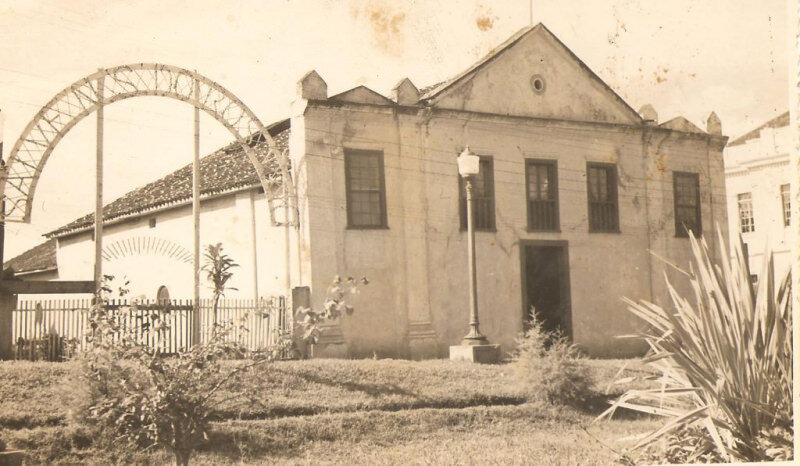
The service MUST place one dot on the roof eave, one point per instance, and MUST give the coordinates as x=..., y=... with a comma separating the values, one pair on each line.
x=25, y=273
x=175, y=204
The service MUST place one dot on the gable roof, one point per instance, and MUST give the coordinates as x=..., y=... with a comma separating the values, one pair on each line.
x=777, y=122
x=431, y=93
x=41, y=258
x=226, y=169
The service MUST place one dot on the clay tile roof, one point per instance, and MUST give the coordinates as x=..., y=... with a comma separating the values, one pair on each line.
x=777, y=122
x=224, y=170
x=38, y=258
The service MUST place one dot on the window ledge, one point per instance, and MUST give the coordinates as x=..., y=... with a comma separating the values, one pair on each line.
x=349, y=227
x=613, y=232
x=531, y=230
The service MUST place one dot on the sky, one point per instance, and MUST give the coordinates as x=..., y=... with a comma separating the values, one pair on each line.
x=684, y=57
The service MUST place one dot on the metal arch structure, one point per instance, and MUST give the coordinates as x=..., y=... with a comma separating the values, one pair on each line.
x=31, y=151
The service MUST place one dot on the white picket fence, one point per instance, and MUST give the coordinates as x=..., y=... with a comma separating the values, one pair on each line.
x=42, y=328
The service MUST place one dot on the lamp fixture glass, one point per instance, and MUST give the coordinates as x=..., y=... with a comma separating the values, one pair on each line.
x=468, y=163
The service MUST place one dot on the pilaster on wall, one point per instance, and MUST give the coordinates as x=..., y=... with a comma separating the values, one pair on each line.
x=297, y=155
x=307, y=178
x=647, y=136
x=422, y=339
x=331, y=342
x=654, y=170
x=423, y=343
x=719, y=206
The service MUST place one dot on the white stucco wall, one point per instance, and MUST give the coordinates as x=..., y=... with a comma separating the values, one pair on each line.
x=152, y=257
x=759, y=167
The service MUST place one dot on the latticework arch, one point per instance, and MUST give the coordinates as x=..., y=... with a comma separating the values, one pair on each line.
x=31, y=151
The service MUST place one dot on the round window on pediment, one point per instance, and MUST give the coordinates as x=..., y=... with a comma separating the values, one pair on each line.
x=537, y=84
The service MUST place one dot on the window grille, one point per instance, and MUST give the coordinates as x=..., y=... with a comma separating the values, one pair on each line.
x=603, y=202
x=366, y=191
x=787, y=204
x=686, y=190
x=482, y=195
x=542, y=190
x=746, y=220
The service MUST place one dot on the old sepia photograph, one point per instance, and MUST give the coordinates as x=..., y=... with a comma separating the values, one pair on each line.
x=398, y=232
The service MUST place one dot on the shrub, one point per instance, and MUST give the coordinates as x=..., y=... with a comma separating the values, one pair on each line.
x=137, y=396
x=550, y=368
x=725, y=359
x=133, y=396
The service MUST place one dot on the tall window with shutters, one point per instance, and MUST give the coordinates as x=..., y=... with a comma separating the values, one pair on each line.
x=482, y=195
x=746, y=221
x=786, y=204
x=541, y=184
x=366, y=191
x=686, y=192
x=601, y=181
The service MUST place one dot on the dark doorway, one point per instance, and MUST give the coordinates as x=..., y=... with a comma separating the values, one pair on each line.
x=545, y=285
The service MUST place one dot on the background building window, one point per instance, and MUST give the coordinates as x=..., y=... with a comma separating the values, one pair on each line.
x=601, y=180
x=787, y=204
x=746, y=221
x=686, y=189
x=366, y=192
x=542, y=186
x=483, y=196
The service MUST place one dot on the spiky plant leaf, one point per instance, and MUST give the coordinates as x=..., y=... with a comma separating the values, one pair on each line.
x=725, y=358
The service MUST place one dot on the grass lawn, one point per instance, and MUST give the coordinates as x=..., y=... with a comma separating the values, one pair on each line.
x=354, y=412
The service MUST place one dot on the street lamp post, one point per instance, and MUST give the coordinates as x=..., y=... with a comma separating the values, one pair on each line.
x=474, y=346
x=469, y=168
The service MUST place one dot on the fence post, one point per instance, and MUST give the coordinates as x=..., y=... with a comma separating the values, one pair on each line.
x=301, y=297
x=8, y=302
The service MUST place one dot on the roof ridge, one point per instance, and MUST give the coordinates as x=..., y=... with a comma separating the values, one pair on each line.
x=432, y=92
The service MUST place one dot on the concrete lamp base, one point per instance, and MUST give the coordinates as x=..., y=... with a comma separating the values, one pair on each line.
x=11, y=458
x=484, y=354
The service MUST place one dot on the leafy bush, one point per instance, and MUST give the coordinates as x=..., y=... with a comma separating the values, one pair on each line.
x=133, y=396
x=335, y=306
x=137, y=397
x=725, y=360
x=550, y=368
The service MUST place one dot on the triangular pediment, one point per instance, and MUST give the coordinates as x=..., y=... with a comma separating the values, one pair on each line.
x=362, y=95
x=533, y=74
x=681, y=124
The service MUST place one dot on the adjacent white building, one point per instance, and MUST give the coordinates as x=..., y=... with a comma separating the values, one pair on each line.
x=757, y=178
